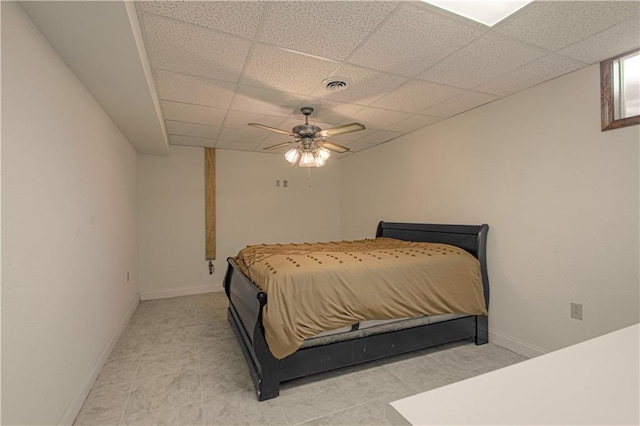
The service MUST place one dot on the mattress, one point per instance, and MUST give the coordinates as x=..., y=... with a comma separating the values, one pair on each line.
x=371, y=327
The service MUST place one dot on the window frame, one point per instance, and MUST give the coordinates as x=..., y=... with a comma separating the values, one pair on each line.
x=607, y=103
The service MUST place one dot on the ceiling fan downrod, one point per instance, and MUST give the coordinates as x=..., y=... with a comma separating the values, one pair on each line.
x=307, y=112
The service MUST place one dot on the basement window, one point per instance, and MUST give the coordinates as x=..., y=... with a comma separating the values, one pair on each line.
x=620, y=91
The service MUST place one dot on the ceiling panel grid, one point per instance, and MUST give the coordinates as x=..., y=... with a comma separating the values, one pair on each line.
x=219, y=65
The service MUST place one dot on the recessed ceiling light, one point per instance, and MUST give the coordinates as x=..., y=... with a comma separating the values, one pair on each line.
x=488, y=12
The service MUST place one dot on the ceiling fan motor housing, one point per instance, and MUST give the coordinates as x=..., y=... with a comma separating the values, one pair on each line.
x=306, y=143
x=306, y=130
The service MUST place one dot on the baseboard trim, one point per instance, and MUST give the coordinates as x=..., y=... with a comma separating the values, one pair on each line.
x=182, y=291
x=74, y=408
x=515, y=345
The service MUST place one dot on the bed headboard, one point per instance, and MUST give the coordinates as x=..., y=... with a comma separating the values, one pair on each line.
x=472, y=238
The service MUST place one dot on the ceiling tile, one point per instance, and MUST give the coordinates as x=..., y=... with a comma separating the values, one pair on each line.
x=364, y=85
x=190, y=129
x=328, y=29
x=236, y=145
x=243, y=134
x=379, y=137
x=236, y=17
x=265, y=101
x=459, y=103
x=194, y=90
x=191, y=141
x=536, y=72
x=241, y=119
x=188, y=49
x=556, y=24
x=358, y=146
x=415, y=96
x=190, y=113
x=377, y=118
x=481, y=61
x=353, y=136
x=413, y=39
x=413, y=123
x=614, y=41
x=279, y=69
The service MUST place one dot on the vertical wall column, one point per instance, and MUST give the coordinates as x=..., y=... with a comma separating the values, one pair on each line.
x=210, y=201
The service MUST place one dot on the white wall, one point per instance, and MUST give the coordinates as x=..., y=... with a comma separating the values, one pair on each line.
x=250, y=209
x=0, y=221
x=171, y=235
x=560, y=196
x=68, y=231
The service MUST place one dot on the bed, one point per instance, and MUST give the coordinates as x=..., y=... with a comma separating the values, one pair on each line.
x=364, y=342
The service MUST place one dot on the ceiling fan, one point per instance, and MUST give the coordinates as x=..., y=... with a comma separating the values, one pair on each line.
x=312, y=148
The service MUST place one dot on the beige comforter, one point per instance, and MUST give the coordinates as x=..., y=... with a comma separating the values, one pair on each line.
x=323, y=286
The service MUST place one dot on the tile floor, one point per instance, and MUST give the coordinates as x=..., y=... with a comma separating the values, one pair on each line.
x=178, y=363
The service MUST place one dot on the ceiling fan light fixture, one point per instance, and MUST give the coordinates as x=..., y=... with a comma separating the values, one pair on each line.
x=292, y=156
x=319, y=161
x=307, y=160
x=323, y=153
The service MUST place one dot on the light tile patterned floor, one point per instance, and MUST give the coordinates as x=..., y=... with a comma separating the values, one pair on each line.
x=178, y=363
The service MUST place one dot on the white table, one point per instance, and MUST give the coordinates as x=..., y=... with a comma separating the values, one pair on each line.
x=593, y=382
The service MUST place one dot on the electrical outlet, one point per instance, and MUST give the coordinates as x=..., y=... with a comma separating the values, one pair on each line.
x=285, y=183
x=576, y=311
x=127, y=276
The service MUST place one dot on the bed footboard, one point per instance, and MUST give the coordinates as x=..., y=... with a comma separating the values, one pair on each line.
x=245, y=316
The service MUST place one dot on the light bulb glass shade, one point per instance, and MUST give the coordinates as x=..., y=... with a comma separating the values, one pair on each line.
x=307, y=159
x=323, y=153
x=292, y=155
x=318, y=160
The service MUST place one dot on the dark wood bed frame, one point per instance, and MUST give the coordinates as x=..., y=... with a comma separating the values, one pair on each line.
x=246, y=302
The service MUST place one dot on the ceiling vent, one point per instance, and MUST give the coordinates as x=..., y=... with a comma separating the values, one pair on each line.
x=335, y=84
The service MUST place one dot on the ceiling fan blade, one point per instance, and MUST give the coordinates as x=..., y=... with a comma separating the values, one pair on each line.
x=334, y=147
x=279, y=145
x=345, y=128
x=271, y=129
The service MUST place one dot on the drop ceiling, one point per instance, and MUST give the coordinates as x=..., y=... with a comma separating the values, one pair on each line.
x=216, y=66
